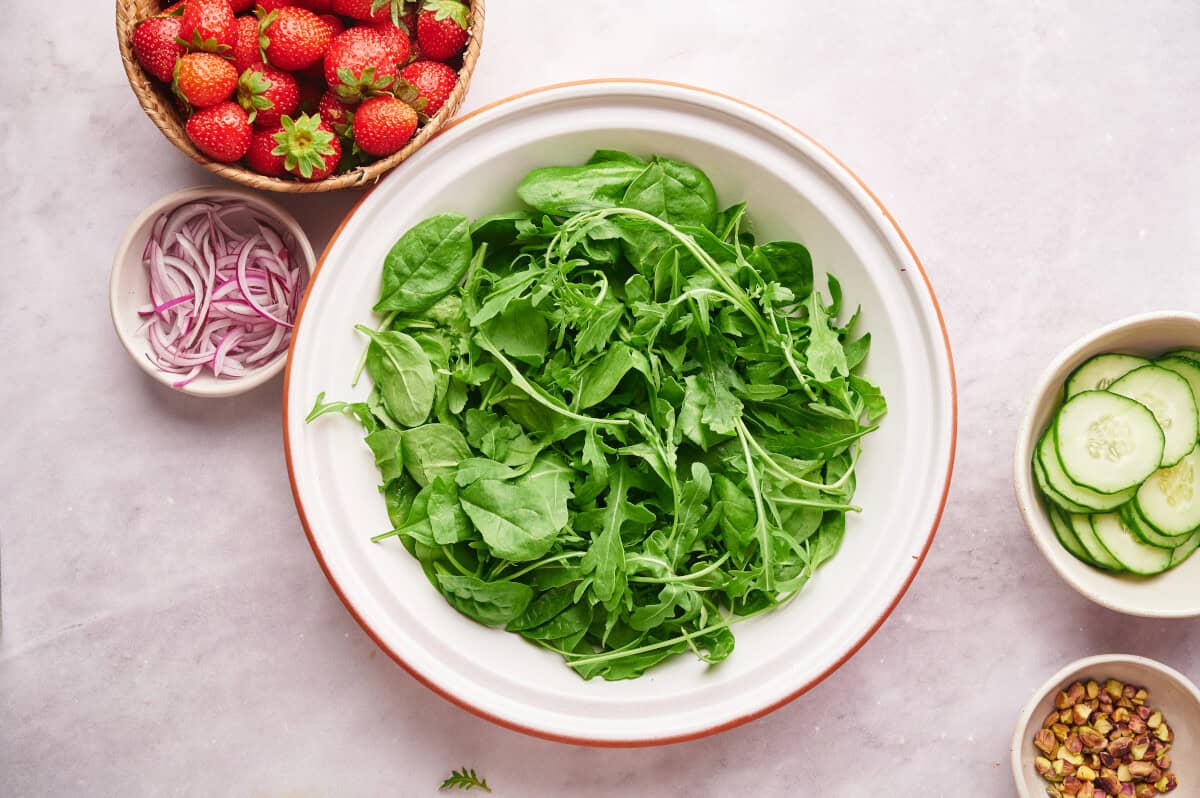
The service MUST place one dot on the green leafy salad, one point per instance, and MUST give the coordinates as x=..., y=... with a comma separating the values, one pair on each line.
x=613, y=423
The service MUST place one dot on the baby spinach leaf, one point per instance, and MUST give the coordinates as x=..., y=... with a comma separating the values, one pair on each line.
x=425, y=264
x=675, y=192
x=565, y=190
x=433, y=449
x=403, y=375
x=510, y=518
x=489, y=603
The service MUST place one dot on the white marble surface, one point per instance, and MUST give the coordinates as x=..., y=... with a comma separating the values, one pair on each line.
x=166, y=630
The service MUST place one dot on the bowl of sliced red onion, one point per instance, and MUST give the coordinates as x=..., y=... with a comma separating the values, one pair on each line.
x=205, y=289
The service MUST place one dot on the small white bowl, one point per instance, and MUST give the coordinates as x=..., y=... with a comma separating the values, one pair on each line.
x=129, y=288
x=1169, y=595
x=1170, y=691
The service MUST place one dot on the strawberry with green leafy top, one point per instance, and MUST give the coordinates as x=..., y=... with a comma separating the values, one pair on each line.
x=442, y=29
x=268, y=93
x=383, y=125
x=309, y=147
x=358, y=65
x=432, y=81
x=334, y=112
x=156, y=47
x=293, y=38
x=221, y=132
x=202, y=80
x=208, y=26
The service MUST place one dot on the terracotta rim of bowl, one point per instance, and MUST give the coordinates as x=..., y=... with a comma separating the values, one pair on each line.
x=918, y=560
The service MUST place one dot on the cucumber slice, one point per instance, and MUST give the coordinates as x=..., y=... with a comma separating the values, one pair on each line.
x=1106, y=442
x=1188, y=369
x=1039, y=474
x=1102, y=371
x=1190, y=354
x=1183, y=552
x=1125, y=547
x=1082, y=525
x=1061, y=484
x=1170, y=499
x=1067, y=537
x=1140, y=527
x=1170, y=399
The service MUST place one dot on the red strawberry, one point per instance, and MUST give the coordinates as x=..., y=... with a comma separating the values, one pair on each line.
x=315, y=6
x=294, y=37
x=245, y=47
x=383, y=125
x=309, y=147
x=370, y=9
x=240, y=6
x=395, y=39
x=221, y=132
x=268, y=93
x=275, y=5
x=204, y=79
x=433, y=82
x=359, y=64
x=154, y=44
x=208, y=25
x=335, y=24
x=261, y=156
x=442, y=29
x=173, y=10
x=334, y=112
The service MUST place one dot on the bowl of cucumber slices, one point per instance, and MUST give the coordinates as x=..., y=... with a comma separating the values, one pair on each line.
x=1107, y=467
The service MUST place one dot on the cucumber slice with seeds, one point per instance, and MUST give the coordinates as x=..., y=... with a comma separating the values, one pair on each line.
x=1061, y=484
x=1102, y=371
x=1170, y=499
x=1183, y=552
x=1169, y=397
x=1067, y=537
x=1124, y=547
x=1039, y=475
x=1106, y=442
x=1147, y=534
x=1082, y=526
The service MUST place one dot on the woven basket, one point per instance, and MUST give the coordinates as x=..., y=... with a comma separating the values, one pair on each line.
x=158, y=104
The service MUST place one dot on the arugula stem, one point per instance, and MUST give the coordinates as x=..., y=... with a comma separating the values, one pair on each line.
x=760, y=525
x=846, y=508
x=688, y=577
x=567, y=555
x=362, y=361
x=779, y=471
x=519, y=380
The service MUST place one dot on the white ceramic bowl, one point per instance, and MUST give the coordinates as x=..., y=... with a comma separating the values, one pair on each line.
x=129, y=287
x=1169, y=595
x=795, y=189
x=1170, y=691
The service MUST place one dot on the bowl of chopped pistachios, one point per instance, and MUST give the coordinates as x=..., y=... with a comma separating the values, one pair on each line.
x=1109, y=726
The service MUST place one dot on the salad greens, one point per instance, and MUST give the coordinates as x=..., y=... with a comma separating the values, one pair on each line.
x=613, y=424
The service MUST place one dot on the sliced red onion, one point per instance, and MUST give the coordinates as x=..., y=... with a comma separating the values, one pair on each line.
x=223, y=290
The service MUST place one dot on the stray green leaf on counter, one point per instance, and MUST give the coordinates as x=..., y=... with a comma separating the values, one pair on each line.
x=613, y=423
x=465, y=779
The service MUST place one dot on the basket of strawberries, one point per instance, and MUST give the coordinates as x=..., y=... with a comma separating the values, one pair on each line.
x=300, y=95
